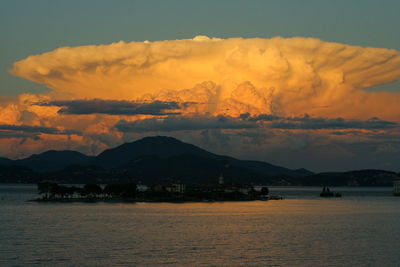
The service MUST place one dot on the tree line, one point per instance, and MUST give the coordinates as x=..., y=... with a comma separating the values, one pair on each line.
x=52, y=190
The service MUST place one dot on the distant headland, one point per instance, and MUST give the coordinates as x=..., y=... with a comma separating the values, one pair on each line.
x=161, y=159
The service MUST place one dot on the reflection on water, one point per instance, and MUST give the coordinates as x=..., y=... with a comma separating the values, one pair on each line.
x=360, y=229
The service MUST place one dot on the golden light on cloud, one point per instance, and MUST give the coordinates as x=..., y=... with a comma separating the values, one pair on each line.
x=290, y=76
x=271, y=91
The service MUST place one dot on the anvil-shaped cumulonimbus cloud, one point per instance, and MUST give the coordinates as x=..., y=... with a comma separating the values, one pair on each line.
x=286, y=77
x=253, y=92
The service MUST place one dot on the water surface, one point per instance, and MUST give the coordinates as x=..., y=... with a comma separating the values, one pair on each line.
x=360, y=229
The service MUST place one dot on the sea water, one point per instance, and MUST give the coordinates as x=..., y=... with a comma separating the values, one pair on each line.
x=360, y=229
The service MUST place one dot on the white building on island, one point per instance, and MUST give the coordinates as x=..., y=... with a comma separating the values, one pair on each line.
x=221, y=179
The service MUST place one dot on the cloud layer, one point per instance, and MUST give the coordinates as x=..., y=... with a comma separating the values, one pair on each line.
x=308, y=123
x=287, y=101
x=115, y=107
x=287, y=76
x=192, y=123
x=35, y=129
x=183, y=124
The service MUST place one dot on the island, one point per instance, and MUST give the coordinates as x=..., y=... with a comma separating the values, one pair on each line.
x=159, y=192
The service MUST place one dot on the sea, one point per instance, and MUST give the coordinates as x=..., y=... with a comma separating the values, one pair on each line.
x=360, y=229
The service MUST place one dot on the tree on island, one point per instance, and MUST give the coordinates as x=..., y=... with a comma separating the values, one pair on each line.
x=120, y=190
x=54, y=191
x=75, y=190
x=264, y=191
x=130, y=190
x=92, y=190
x=46, y=188
x=62, y=191
x=112, y=190
x=51, y=190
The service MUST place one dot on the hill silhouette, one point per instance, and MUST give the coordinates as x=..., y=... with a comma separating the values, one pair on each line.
x=160, y=146
x=53, y=160
x=159, y=158
x=166, y=147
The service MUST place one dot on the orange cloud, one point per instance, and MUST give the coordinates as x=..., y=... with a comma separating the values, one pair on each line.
x=280, y=76
x=118, y=92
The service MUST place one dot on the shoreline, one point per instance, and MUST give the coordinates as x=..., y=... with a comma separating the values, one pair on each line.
x=84, y=200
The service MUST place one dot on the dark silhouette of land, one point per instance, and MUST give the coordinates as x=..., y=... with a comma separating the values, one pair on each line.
x=326, y=192
x=163, y=192
x=156, y=159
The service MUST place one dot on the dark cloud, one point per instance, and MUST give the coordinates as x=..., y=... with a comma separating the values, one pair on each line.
x=28, y=131
x=116, y=107
x=245, y=121
x=183, y=123
x=344, y=133
x=256, y=134
x=261, y=117
x=309, y=123
x=13, y=134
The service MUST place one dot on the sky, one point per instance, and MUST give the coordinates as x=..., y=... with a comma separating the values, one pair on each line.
x=311, y=84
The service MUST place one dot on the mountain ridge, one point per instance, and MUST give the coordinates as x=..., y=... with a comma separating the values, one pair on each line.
x=161, y=146
x=168, y=146
x=53, y=160
x=159, y=158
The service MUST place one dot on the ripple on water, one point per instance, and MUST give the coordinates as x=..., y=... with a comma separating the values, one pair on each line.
x=357, y=230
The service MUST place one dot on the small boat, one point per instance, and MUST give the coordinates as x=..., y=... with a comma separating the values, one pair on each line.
x=326, y=192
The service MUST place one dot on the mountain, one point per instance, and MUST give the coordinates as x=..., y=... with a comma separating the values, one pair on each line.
x=18, y=174
x=165, y=147
x=160, y=158
x=53, y=160
x=5, y=162
x=161, y=146
x=190, y=168
x=264, y=167
x=151, y=159
x=352, y=178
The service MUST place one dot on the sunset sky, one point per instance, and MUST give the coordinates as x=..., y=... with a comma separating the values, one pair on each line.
x=313, y=84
